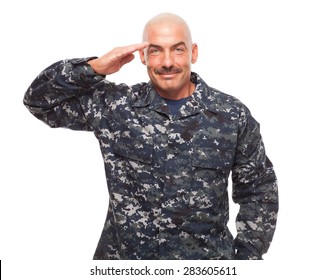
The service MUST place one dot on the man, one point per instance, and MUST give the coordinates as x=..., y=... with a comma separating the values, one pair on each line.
x=168, y=146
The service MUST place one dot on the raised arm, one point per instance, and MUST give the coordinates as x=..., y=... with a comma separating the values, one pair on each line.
x=62, y=95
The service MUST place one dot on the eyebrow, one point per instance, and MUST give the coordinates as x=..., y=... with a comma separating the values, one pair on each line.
x=174, y=46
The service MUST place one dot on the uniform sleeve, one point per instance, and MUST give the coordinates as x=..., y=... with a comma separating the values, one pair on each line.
x=54, y=96
x=255, y=189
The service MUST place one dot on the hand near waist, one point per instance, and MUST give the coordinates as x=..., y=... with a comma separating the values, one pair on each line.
x=112, y=61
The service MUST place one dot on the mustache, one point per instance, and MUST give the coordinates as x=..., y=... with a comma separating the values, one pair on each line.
x=168, y=70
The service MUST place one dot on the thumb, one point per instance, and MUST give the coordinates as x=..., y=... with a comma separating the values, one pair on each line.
x=127, y=59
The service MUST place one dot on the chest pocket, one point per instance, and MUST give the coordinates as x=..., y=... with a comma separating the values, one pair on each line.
x=134, y=149
x=214, y=142
x=134, y=143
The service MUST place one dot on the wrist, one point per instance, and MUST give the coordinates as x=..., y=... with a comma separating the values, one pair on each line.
x=94, y=65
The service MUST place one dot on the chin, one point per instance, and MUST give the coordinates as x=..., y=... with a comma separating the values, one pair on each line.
x=168, y=87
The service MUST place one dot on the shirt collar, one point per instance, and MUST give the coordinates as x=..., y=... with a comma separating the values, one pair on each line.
x=198, y=101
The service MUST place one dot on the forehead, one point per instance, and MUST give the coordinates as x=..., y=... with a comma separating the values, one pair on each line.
x=166, y=33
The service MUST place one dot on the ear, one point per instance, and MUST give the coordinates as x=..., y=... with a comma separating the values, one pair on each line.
x=194, y=53
x=142, y=56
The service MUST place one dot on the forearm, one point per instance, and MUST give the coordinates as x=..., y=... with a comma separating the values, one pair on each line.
x=59, y=82
x=57, y=89
x=256, y=220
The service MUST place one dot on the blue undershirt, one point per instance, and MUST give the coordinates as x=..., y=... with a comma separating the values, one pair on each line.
x=175, y=105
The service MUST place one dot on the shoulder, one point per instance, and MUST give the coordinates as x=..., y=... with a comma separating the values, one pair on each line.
x=216, y=100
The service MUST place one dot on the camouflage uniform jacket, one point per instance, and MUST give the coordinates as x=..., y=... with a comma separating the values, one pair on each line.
x=167, y=175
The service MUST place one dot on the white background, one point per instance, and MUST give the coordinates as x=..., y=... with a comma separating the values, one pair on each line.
x=269, y=54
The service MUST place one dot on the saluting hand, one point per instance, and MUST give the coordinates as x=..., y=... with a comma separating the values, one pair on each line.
x=112, y=61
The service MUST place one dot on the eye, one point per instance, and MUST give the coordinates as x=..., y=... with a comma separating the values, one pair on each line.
x=153, y=51
x=179, y=50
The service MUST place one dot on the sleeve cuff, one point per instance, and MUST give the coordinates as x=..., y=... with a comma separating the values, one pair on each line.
x=246, y=251
x=82, y=73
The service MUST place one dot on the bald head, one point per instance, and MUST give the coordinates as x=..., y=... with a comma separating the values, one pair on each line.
x=167, y=20
x=169, y=55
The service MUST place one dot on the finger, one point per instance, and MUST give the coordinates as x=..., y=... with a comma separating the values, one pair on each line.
x=125, y=54
x=136, y=47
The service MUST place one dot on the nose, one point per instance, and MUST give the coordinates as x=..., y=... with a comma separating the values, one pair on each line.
x=167, y=59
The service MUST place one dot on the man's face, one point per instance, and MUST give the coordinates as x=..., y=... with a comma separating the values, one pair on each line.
x=168, y=59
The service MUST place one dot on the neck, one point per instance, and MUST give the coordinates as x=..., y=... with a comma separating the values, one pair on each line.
x=176, y=95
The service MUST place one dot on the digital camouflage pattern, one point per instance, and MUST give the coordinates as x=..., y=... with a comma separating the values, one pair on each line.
x=167, y=175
